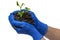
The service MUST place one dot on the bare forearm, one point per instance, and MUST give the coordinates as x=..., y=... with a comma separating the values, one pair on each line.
x=53, y=33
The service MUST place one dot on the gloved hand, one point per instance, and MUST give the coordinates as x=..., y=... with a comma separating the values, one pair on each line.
x=41, y=27
x=29, y=29
x=18, y=30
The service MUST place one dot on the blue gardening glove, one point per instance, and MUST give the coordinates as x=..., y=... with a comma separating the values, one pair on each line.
x=18, y=30
x=24, y=27
x=41, y=27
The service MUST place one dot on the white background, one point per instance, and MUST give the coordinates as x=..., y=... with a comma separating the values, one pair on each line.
x=47, y=11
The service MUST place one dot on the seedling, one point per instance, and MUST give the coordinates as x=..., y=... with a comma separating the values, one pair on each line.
x=19, y=5
x=22, y=12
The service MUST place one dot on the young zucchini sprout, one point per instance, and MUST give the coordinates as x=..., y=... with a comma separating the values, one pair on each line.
x=22, y=12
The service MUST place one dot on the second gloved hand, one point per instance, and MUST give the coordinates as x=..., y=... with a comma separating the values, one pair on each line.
x=41, y=27
x=30, y=29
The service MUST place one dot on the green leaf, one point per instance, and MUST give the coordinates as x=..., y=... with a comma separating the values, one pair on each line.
x=21, y=5
x=27, y=9
x=21, y=13
x=17, y=3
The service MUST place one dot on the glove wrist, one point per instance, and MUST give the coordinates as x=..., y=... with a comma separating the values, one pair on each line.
x=36, y=35
x=42, y=28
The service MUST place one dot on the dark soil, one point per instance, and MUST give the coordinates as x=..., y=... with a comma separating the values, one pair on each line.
x=26, y=18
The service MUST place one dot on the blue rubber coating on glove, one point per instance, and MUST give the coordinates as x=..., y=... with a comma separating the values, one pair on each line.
x=24, y=27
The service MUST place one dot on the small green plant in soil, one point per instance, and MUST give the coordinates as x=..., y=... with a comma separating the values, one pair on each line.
x=20, y=6
x=23, y=15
